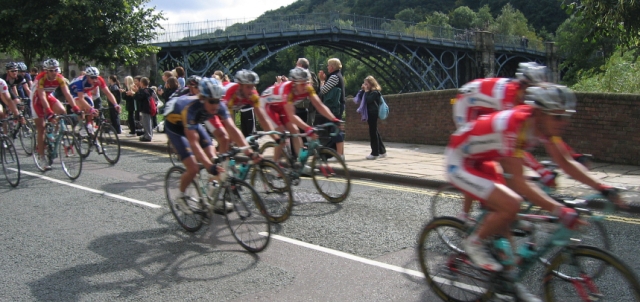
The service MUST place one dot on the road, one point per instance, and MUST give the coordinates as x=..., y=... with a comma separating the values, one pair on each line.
x=110, y=236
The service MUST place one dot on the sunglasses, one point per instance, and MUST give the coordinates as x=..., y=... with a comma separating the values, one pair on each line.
x=213, y=101
x=13, y=71
x=94, y=78
x=52, y=70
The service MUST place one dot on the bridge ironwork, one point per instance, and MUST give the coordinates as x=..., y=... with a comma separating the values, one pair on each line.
x=409, y=56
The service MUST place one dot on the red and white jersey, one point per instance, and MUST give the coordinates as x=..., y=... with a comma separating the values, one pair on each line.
x=283, y=93
x=233, y=100
x=484, y=96
x=3, y=86
x=42, y=82
x=507, y=133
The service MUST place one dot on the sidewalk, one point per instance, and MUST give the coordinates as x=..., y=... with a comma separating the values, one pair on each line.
x=423, y=166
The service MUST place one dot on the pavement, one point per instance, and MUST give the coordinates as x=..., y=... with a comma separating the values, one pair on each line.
x=423, y=166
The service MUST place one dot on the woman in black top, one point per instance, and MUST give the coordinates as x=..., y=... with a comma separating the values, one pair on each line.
x=114, y=88
x=372, y=96
x=169, y=88
x=133, y=114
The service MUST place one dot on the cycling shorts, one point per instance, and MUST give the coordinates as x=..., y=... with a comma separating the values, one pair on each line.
x=474, y=177
x=179, y=139
x=277, y=113
x=36, y=105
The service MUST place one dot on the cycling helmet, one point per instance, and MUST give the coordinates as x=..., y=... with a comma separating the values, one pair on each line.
x=92, y=71
x=193, y=80
x=211, y=88
x=50, y=64
x=11, y=66
x=531, y=73
x=22, y=66
x=247, y=77
x=299, y=75
x=551, y=97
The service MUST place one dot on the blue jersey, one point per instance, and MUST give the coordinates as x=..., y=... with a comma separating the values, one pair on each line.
x=82, y=85
x=190, y=112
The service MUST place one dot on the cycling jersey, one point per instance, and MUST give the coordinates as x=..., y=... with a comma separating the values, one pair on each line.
x=42, y=82
x=3, y=86
x=475, y=145
x=17, y=82
x=188, y=112
x=235, y=102
x=484, y=96
x=275, y=97
x=81, y=84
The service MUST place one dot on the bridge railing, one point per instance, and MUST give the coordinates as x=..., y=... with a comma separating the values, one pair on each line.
x=317, y=21
x=518, y=42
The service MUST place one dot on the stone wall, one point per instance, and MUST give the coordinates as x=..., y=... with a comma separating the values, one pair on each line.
x=606, y=125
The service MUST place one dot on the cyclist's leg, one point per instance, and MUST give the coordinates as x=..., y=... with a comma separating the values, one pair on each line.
x=278, y=117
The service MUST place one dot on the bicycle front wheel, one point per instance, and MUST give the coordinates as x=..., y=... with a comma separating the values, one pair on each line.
x=268, y=151
x=448, y=270
x=110, y=143
x=273, y=186
x=247, y=221
x=331, y=178
x=568, y=277
x=189, y=222
x=70, y=158
x=10, y=162
x=84, y=139
x=27, y=137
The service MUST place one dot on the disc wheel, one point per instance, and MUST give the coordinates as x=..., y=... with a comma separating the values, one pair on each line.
x=189, y=222
x=331, y=178
x=109, y=142
x=10, y=161
x=247, y=221
x=274, y=188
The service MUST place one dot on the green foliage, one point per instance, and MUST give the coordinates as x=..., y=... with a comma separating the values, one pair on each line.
x=483, y=18
x=409, y=15
x=462, y=17
x=438, y=19
x=619, y=75
x=510, y=22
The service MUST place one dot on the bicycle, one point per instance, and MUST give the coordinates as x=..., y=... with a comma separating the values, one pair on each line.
x=9, y=156
x=325, y=174
x=104, y=139
x=173, y=155
x=247, y=221
x=60, y=139
x=21, y=127
x=448, y=269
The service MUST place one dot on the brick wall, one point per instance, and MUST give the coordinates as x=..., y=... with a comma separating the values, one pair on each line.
x=606, y=125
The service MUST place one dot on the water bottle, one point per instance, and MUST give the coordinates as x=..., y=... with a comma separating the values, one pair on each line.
x=244, y=168
x=503, y=249
x=213, y=189
x=304, y=154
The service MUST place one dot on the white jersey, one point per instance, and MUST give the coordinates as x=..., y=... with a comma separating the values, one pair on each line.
x=3, y=86
x=483, y=96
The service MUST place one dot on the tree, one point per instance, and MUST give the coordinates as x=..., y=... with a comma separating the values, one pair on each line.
x=438, y=19
x=483, y=19
x=462, y=17
x=408, y=15
x=510, y=22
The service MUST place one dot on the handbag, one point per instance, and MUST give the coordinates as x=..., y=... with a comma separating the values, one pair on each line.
x=383, y=109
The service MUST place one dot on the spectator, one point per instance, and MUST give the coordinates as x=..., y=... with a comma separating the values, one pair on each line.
x=133, y=115
x=170, y=88
x=372, y=97
x=142, y=99
x=335, y=80
x=180, y=75
x=114, y=116
x=165, y=76
x=303, y=109
x=224, y=79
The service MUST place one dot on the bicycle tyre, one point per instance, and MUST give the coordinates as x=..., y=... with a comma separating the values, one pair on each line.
x=325, y=174
x=84, y=139
x=27, y=136
x=268, y=150
x=274, y=187
x=69, y=154
x=444, y=266
x=570, y=259
x=110, y=143
x=190, y=223
x=10, y=162
x=247, y=222
x=173, y=155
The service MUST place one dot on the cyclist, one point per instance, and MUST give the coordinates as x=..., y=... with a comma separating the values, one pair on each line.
x=183, y=120
x=279, y=100
x=242, y=92
x=23, y=71
x=6, y=100
x=44, y=104
x=81, y=88
x=501, y=138
x=15, y=80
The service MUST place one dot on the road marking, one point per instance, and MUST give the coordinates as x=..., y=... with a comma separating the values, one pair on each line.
x=140, y=202
x=145, y=151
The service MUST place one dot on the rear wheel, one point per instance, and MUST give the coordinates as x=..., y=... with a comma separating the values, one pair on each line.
x=331, y=178
x=69, y=154
x=247, y=221
x=10, y=161
x=189, y=222
x=449, y=201
x=273, y=186
x=108, y=140
x=27, y=136
x=84, y=139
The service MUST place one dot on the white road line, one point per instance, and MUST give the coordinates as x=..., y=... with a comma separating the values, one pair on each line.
x=140, y=202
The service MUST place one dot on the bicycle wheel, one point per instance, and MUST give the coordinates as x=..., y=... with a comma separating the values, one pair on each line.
x=247, y=221
x=449, y=201
x=448, y=270
x=331, y=178
x=274, y=188
x=10, y=162
x=108, y=139
x=69, y=154
x=27, y=137
x=173, y=155
x=267, y=150
x=189, y=222
x=575, y=264
x=84, y=139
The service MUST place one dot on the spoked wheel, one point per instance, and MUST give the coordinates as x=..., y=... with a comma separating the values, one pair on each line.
x=173, y=154
x=273, y=186
x=84, y=139
x=69, y=153
x=448, y=270
x=108, y=140
x=267, y=150
x=449, y=201
x=247, y=221
x=27, y=137
x=10, y=161
x=44, y=161
x=189, y=222
x=568, y=277
x=331, y=177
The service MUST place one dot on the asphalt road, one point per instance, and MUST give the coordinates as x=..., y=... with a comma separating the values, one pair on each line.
x=110, y=236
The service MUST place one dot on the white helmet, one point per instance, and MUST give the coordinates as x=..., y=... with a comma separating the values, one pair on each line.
x=245, y=76
x=299, y=75
x=551, y=97
x=50, y=64
x=531, y=73
x=211, y=88
x=92, y=71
